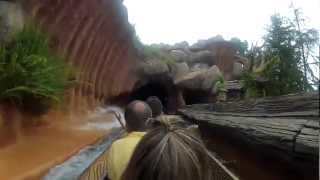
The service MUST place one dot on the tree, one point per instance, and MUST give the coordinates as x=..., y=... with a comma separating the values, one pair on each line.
x=241, y=45
x=306, y=40
x=281, y=65
x=280, y=46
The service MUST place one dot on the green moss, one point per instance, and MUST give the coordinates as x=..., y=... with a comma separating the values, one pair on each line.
x=29, y=72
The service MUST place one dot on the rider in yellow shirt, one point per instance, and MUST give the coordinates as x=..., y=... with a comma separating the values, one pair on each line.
x=120, y=153
x=136, y=115
x=114, y=161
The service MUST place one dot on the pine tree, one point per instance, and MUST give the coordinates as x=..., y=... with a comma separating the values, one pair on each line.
x=285, y=76
x=306, y=41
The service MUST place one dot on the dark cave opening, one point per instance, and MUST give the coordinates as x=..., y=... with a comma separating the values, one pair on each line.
x=152, y=89
x=196, y=97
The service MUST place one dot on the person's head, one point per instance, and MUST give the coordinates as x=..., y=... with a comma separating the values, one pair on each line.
x=136, y=114
x=169, y=152
x=156, y=105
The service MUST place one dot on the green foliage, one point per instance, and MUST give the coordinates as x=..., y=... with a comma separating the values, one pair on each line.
x=306, y=40
x=258, y=82
x=156, y=52
x=220, y=85
x=2, y=36
x=29, y=73
x=151, y=51
x=241, y=45
x=280, y=43
x=251, y=85
x=135, y=38
x=279, y=66
x=220, y=88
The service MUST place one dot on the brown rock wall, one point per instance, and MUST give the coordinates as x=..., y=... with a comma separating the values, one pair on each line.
x=94, y=37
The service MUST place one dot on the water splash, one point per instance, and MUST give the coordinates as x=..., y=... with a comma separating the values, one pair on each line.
x=104, y=119
x=101, y=118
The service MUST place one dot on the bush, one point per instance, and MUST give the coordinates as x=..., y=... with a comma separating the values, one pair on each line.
x=257, y=83
x=153, y=51
x=29, y=73
x=219, y=85
x=251, y=86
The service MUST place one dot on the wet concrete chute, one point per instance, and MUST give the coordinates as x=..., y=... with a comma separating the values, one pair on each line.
x=73, y=167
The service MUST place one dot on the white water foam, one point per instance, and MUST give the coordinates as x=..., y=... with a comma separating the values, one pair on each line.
x=104, y=119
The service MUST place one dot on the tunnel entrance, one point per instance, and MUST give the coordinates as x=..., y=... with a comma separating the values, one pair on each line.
x=152, y=89
x=196, y=97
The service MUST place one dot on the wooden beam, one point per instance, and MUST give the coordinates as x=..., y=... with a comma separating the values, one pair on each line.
x=289, y=124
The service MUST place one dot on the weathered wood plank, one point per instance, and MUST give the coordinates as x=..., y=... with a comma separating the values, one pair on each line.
x=307, y=141
x=305, y=114
x=272, y=105
x=288, y=123
x=279, y=132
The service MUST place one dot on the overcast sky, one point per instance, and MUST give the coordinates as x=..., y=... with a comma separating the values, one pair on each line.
x=171, y=21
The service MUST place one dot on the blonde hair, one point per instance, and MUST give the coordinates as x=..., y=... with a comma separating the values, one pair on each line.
x=171, y=152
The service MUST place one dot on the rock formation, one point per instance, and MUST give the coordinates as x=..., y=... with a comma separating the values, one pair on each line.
x=192, y=69
x=96, y=38
x=11, y=19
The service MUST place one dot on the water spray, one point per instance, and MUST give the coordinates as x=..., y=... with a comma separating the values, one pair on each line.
x=117, y=113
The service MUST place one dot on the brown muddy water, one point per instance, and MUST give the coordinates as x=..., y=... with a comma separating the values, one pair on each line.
x=248, y=164
x=44, y=147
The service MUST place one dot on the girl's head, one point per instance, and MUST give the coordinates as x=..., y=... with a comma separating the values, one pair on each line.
x=169, y=152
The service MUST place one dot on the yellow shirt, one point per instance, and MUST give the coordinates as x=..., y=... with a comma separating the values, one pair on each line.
x=120, y=153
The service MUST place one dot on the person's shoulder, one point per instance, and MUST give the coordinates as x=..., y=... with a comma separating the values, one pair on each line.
x=118, y=142
x=129, y=138
x=136, y=134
